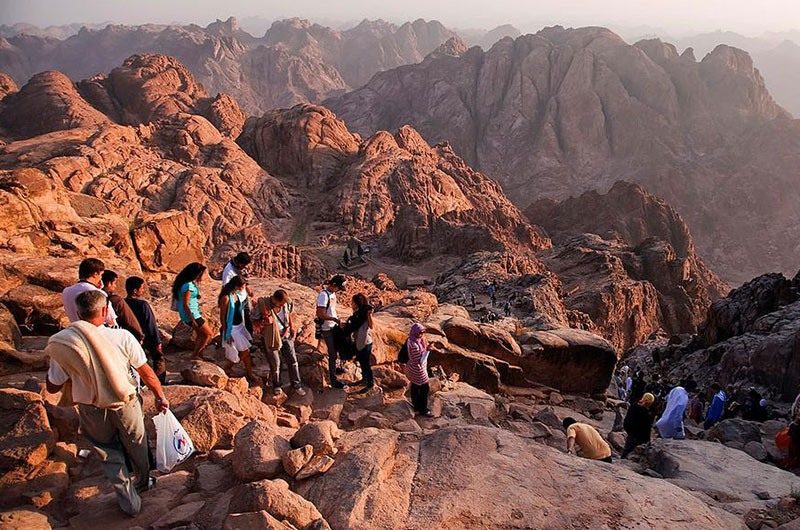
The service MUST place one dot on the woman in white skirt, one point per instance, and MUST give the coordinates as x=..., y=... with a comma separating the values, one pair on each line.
x=235, y=337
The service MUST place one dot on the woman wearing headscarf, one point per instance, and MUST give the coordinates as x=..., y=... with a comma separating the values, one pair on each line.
x=417, y=369
x=638, y=423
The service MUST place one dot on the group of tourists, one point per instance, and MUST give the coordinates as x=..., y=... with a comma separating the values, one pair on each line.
x=101, y=360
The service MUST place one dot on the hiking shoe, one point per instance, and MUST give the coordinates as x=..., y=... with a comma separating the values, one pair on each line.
x=300, y=391
x=151, y=483
x=338, y=384
x=428, y=413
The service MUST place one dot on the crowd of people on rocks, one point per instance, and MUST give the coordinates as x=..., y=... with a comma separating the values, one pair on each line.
x=113, y=346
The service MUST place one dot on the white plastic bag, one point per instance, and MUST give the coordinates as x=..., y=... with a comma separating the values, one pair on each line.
x=173, y=445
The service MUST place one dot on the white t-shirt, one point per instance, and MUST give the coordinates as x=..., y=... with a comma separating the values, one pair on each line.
x=283, y=318
x=122, y=339
x=69, y=295
x=322, y=301
x=228, y=273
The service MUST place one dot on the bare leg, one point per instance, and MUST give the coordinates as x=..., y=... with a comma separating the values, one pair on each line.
x=248, y=367
x=203, y=336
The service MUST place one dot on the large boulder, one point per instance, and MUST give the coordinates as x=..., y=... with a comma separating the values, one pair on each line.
x=484, y=338
x=25, y=434
x=168, y=241
x=321, y=435
x=258, y=451
x=204, y=373
x=571, y=360
x=735, y=430
x=386, y=480
x=275, y=497
x=725, y=474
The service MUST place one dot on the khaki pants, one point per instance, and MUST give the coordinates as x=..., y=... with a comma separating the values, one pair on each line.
x=115, y=433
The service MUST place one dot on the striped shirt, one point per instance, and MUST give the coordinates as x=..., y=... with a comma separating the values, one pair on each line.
x=417, y=365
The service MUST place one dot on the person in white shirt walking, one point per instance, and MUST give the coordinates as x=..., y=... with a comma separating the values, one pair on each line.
x=97, y=361
x=90, y=278
x=328, y=322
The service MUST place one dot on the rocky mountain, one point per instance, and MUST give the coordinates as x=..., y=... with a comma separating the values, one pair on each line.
x=486, y=39
x=631, y=265
x=750, y=338
x=570, y=110
x=294, y=62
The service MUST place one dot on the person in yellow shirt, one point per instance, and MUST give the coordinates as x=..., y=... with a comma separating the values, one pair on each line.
x=588, y=439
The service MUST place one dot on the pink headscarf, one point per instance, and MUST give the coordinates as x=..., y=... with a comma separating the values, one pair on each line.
x=415, y=336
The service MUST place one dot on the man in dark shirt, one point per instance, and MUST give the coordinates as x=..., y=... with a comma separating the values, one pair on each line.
x=147, y=320
x=638, y=423
x=125, y=317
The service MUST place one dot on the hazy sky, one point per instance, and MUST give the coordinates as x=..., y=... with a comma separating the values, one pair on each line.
x=675, y=16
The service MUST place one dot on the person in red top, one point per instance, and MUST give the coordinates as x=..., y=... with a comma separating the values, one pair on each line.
x=417, y=369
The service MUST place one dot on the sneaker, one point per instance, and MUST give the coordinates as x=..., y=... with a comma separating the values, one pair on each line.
x=300, y=391
x=338, y=384
x=151, y=483
x=428, y=413
x=277, y=391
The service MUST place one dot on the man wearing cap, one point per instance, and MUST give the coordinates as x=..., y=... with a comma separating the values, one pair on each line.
x=326, y=313
x=638, y=423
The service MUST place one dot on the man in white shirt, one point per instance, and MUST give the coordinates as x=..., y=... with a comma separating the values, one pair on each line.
x=109, y=407
x=326, y=314
x=90, y=274
x=237, y=266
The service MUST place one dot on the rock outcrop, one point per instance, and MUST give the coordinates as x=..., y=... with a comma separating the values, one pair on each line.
x=578, y=109
x=637, y=273
x=421, y=200
x=750, y=338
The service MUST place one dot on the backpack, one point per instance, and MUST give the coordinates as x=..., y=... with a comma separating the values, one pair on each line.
x=402, y=355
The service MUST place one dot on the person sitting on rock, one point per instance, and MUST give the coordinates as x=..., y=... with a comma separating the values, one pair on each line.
x=90, y=278
x=638, y=423
x=238, y=266
x=588, y=439
x=186, y=301
x=326, y=316
x=125, y=317
x=670, y=425
x=360, y=324
x=417, y=369
x=235, y=337
x=717, y=406
x=147, y=322
x=97, y=360
x=275, y=317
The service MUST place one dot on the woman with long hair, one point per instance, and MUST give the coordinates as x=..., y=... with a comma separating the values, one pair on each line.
x=235, y=337
x=360, y=324
x=186, y=301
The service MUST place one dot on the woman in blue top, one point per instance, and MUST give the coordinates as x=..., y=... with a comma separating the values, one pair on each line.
x=186, y=301
x=235, y=337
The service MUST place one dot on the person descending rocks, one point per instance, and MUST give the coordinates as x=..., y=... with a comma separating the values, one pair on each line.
x=507, y=308
x=417, y=369
x=275, y=317
x=588, y=439
x=186, y=301
x=360, y=325
x=97, y=360
x=238, y=266
x=147, y=322
x=754, y=407
x=327, y=321
x=234, y=335
x=90, y=278
x=717, y=407
x=125, y=317
x=638, y=423
x=670, y=425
